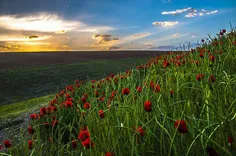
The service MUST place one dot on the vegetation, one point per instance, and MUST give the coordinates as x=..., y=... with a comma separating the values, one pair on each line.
x=175, y=104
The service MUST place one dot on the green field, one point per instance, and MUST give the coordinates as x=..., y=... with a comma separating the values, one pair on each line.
x=19, y=85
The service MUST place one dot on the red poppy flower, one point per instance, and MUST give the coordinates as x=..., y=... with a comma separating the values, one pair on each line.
x=212, y=58
x=83, y=135
x=30, y=130
x=109, y=154
x=96, y=93
x=148, y=106
x=86, y=105
x=211, y=79
x=112, y=75
x=200, y=77
x=197, y=63
x=93, y=81
x=221, y=33
x=224, y=31
x=202, y=40
x=230, y=139
x=166, y=64
x=101, y=99
x=69, y=103
x=201, y=55
x=140, y=131
x=43, y=110
x=50, y=139
x=211, y=151
x=33, y=116
x=171, y=93
x=139, y=89
x=87, y=143
x=7, y=143
x=30, y=144
x=74, y=144
x=83, y=99
x=101, y=113
x=157, y=88
x=0, y=147
x=181, y=125
x=125, y=91
x=54, y=123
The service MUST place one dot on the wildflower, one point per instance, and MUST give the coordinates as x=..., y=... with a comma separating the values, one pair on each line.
x=43, y=110
x=166, y=64
x=96, y=93
x=203, y=40
x=109, y=154
x=157, y=88
x=86, y=105
x=101, y=99
x=101, y=113
x=74, y=144
x=30, y=144
x=87, y=143
x=212, y=58
x=199, y=77
x=69, y=103
x=83, y=99
x=54, y=123
x=211, y=151
x=112, y=75
x=201, y=55
x=230, y=140
x=211, y=79
x=224, y=31
x=140, y=131
x=30, y=130
x=125, y=91
x=139, y=89
x=93, y=81
x=148, y=106
x=7, y=143
x=50, y=139
x=83, y=135
x=33, y=116
x=181, y=125
x=171, y=92
x=0, y=147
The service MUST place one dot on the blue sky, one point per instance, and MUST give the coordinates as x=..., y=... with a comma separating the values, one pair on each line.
x=42, y=25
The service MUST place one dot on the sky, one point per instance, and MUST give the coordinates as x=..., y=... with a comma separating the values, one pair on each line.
x=64, y=25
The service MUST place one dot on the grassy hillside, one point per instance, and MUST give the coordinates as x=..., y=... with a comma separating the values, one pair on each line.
x=175, y=104
x=25, y=83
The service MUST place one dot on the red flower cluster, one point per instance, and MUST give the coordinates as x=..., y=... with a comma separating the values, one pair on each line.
x=181, y=126
x=212, y=58
x=33, y=116
x=84, y=136
x=148, y=106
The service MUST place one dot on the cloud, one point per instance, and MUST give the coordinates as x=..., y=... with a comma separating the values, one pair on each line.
x=96, y=29
x=162, y=47
x=203, y=12
x=141, y=34
x=193, y=36
x=41, y=22
x=165, y=24
x=60, y=32
x=114, y=48
x=148, y=44
x=23, y=39
x=178, y=11
x=175, y=35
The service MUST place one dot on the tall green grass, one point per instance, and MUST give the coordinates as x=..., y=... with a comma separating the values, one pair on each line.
x=205, y=103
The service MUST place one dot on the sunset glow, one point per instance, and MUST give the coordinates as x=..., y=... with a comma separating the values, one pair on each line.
x=101, y=26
